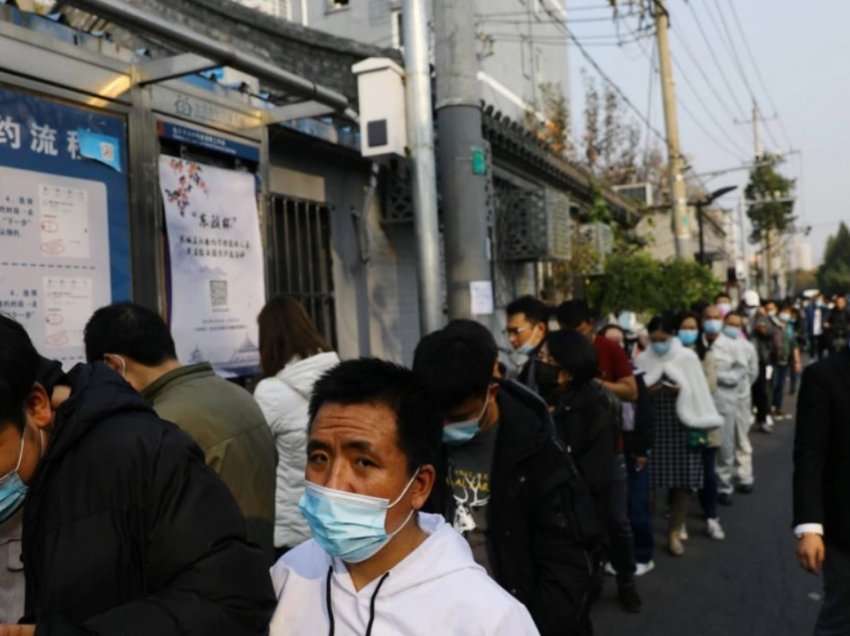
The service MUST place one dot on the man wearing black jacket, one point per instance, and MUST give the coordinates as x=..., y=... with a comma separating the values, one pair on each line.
x=822, y=485
x=126, y=531
x=505, y=483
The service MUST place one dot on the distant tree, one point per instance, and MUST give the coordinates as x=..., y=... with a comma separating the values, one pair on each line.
x=550, y=120
x=771, y=206
x=834, y=274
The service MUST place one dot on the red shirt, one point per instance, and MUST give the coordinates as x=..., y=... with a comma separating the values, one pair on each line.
x=611, y=359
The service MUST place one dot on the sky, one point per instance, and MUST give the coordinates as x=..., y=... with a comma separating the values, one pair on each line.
x=800, y=49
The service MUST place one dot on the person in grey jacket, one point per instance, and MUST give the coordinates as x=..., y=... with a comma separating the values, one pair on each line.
x=293, y=356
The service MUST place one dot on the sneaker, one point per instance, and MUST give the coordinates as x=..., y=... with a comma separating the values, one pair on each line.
x=683, y=533
x=724, y=499
x=629, y=598
x=644, y=568
x=745, y=489
x=715, y=530
x=609, y=570
x=769, y=422
x=675, y=545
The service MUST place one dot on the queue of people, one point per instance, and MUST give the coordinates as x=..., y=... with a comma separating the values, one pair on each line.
x=466, y=495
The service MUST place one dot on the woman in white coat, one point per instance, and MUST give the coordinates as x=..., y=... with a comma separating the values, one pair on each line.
x=293, y=355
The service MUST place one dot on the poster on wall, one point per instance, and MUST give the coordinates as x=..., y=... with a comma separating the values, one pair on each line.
x=64, y=236
x=216, y=262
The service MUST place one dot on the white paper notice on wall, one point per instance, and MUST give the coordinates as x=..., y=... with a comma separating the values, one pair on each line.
x=64, y=221
x=481, y=297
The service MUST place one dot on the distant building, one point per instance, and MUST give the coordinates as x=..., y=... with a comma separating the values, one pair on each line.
x=800, y=254
x=277, y=8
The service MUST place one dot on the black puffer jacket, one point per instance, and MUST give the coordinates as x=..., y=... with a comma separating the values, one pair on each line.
x=532, y=541
x=126, y=531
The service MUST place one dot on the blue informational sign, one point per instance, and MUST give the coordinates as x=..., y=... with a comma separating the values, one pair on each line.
x=202, y=139
x=64, y=226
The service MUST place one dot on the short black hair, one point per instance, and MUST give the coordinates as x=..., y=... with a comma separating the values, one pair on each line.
x=572, y=313
x=456, y=363
x=665, y=322
x=19, y=363
x=374, y=381
x=129, y=330
x=575, y=354
x=535, y=310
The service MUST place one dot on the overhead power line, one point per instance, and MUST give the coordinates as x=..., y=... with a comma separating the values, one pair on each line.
x=683, y=42
x=720, y=70
x=759, y=76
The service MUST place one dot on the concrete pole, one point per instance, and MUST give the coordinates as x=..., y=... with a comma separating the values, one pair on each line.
x=420, y=135
x=462, y=189
x=678, y=194
x=756, y=140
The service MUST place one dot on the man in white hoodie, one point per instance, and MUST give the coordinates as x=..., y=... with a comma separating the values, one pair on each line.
x=375, y=563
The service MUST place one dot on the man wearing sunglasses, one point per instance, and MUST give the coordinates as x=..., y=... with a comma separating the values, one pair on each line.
x=503, y=482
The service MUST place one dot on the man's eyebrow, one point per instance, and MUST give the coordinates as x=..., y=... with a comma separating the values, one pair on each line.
x=314, y=445
x=359, y=445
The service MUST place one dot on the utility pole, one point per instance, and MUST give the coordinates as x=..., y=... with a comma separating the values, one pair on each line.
x=462, y=162
x=678, y=195
x=420, y=134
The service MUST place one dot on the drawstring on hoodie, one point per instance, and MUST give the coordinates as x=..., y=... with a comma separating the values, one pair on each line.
x=371, y=602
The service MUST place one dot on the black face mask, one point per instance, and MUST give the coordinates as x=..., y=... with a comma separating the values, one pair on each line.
x=546, y=377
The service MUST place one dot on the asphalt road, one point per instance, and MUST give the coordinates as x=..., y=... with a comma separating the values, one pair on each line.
x=748, y=585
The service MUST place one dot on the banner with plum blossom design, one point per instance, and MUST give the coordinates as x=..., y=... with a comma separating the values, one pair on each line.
x=216, y=264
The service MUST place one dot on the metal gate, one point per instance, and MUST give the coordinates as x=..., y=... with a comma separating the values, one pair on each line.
x=301, y=258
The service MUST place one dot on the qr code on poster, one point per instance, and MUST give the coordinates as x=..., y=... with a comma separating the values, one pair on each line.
x=218, y=293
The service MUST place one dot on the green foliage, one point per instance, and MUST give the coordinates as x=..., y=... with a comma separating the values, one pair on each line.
x=834, y=273
x=774, y=212
x=642, y=284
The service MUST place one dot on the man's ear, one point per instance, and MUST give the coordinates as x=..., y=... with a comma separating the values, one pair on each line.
x=422, y=486
x=114, y=362
x=38, y=407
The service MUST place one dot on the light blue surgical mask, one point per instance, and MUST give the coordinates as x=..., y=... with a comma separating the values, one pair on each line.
x=688, y=336
x=712, y=326
x=457, y=433
x=662, y=348
x=732, y=332
x=349, y=526
x=13, y=490
x=526, y=349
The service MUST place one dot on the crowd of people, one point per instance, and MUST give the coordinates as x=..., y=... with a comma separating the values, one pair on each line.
x=486, y=490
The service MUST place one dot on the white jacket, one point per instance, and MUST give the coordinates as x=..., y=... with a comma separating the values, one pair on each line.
x=437, y=590
x=284, y=400
x=694, y=404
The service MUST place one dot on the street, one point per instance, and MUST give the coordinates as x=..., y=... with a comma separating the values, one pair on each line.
x=748, y=585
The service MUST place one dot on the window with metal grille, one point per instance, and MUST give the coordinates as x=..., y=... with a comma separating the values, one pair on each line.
x=301, y=258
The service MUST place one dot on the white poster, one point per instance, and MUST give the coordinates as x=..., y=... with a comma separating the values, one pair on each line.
x=217, y=276
x=54, y=257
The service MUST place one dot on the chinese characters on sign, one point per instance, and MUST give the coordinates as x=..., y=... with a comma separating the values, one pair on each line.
x=216, y=263
x=64, y=235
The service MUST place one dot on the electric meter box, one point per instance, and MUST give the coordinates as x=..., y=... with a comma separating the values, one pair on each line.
x=383, y=123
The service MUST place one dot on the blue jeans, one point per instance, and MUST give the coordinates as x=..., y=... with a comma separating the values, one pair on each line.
x=639, y=512
x=708, y=494
x=780, y=374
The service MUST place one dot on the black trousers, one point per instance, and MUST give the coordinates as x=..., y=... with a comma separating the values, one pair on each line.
x=834, y=618
x=621, y=541
x=761, y=395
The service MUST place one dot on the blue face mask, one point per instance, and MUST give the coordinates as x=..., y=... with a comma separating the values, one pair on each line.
x=12, y=489
x=732, y=332
x=712, y=326
x=457, y=433
x=662, y=348
x=688, y=336
x=346, y=525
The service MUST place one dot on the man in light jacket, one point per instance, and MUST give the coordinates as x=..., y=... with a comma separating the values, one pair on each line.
x=376, y=565
x=220, y=416
x=737, y=369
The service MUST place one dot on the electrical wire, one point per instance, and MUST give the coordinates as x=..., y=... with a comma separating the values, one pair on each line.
x=759, y=76
x=683, y=42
